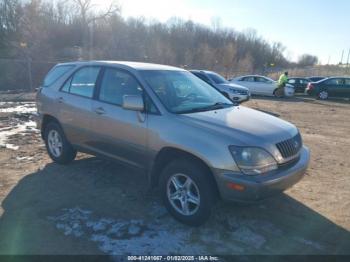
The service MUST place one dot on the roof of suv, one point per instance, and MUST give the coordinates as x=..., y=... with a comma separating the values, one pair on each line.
x=134, y=65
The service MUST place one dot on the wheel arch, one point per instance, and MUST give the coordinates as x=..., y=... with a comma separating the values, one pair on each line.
x=46, y=120
x=166, y=155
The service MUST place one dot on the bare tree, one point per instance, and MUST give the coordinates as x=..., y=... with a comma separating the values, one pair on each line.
x=307, y=60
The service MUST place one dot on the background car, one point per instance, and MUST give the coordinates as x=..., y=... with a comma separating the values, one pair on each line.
x=299, y=83
x=232, y=91
x=330, y=87
x=261, y=85
x=316, y=78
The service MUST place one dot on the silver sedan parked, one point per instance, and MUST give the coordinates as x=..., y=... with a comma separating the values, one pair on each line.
x=191, y=141
x=262, y=85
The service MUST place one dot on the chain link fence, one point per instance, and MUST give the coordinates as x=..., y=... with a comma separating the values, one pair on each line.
x=24, y=75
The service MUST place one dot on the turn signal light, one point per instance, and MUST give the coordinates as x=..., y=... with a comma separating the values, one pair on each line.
x=235, y=186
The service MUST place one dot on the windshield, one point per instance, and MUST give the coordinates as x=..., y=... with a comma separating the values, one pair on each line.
x=218, y=79
x=182, y=92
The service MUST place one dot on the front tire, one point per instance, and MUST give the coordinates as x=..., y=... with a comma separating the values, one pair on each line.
x=187, y=191
x=57, y=145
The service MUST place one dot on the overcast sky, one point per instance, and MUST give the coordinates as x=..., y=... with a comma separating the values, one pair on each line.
x=319, y=27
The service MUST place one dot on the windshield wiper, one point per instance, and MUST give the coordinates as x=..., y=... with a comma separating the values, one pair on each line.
x=218, y=105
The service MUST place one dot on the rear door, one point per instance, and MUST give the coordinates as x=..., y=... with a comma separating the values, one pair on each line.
x=118, y=132
x=75, y=101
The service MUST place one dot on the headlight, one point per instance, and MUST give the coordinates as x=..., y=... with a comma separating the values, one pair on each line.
x=253, y=160
x=234, y=91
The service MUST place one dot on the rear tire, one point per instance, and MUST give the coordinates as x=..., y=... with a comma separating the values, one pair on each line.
x=187, y=191
x=278, y=93
x=57, y=145
x=323, y=95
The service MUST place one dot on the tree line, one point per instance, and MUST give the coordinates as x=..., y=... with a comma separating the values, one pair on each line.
x=65, y=30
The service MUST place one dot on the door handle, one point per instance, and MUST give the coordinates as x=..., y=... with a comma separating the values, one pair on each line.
x=60, y=100
x=100, y=111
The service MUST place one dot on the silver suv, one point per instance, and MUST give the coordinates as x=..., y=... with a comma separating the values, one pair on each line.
x=193, y=142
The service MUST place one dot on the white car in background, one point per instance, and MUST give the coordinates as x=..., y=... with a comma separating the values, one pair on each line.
x=261, y=85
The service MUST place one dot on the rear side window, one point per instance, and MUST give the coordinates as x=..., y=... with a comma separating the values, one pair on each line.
x=55, y=74
x=83, y=82
x=335, y=81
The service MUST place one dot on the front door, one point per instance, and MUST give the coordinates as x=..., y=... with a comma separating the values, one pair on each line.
x=119, y=133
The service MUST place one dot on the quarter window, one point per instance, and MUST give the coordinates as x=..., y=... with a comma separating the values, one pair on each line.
x=261, y=80
x=116, y=84
x=248, y=79
x=55, y=74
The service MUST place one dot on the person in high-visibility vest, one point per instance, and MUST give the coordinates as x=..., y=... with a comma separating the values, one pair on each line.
x=282, y=82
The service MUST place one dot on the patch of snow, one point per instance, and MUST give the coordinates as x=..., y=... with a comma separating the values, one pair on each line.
x=28, y=107
x=121, y=236
x=309, y=243
x=6, y=132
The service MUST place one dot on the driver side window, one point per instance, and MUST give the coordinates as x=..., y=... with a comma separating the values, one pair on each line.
x=116, y=84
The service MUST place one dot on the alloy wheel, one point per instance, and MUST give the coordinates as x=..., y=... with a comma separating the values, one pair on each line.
x=54, y=141
x=183, y=194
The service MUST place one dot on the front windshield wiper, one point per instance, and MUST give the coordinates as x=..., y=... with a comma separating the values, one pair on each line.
x=217, y=105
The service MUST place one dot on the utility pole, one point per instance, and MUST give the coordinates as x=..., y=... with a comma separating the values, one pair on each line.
x=342, y=55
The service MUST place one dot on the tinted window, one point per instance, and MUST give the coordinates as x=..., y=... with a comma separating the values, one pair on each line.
x=83, y=81
x=55, y=74
x=335, y=81
x=347, y=81
x=218, y=79
x=115, y=84
x=291, y=81
x=304, y=81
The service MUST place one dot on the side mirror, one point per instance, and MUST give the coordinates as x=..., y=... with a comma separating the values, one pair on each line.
x=133, y=102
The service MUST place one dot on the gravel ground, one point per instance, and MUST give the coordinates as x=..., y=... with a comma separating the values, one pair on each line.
x=95, y=206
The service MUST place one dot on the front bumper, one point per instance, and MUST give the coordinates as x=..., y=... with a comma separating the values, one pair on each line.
x=260, y=187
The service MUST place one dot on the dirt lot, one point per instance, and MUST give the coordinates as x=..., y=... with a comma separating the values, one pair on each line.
x=95, y=206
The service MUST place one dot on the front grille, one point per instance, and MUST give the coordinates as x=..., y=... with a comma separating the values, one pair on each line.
x=290, y=147
x=242, y=92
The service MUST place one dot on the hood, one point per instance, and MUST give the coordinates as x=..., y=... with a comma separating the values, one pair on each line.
x=243, y=126
x=235, y=86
